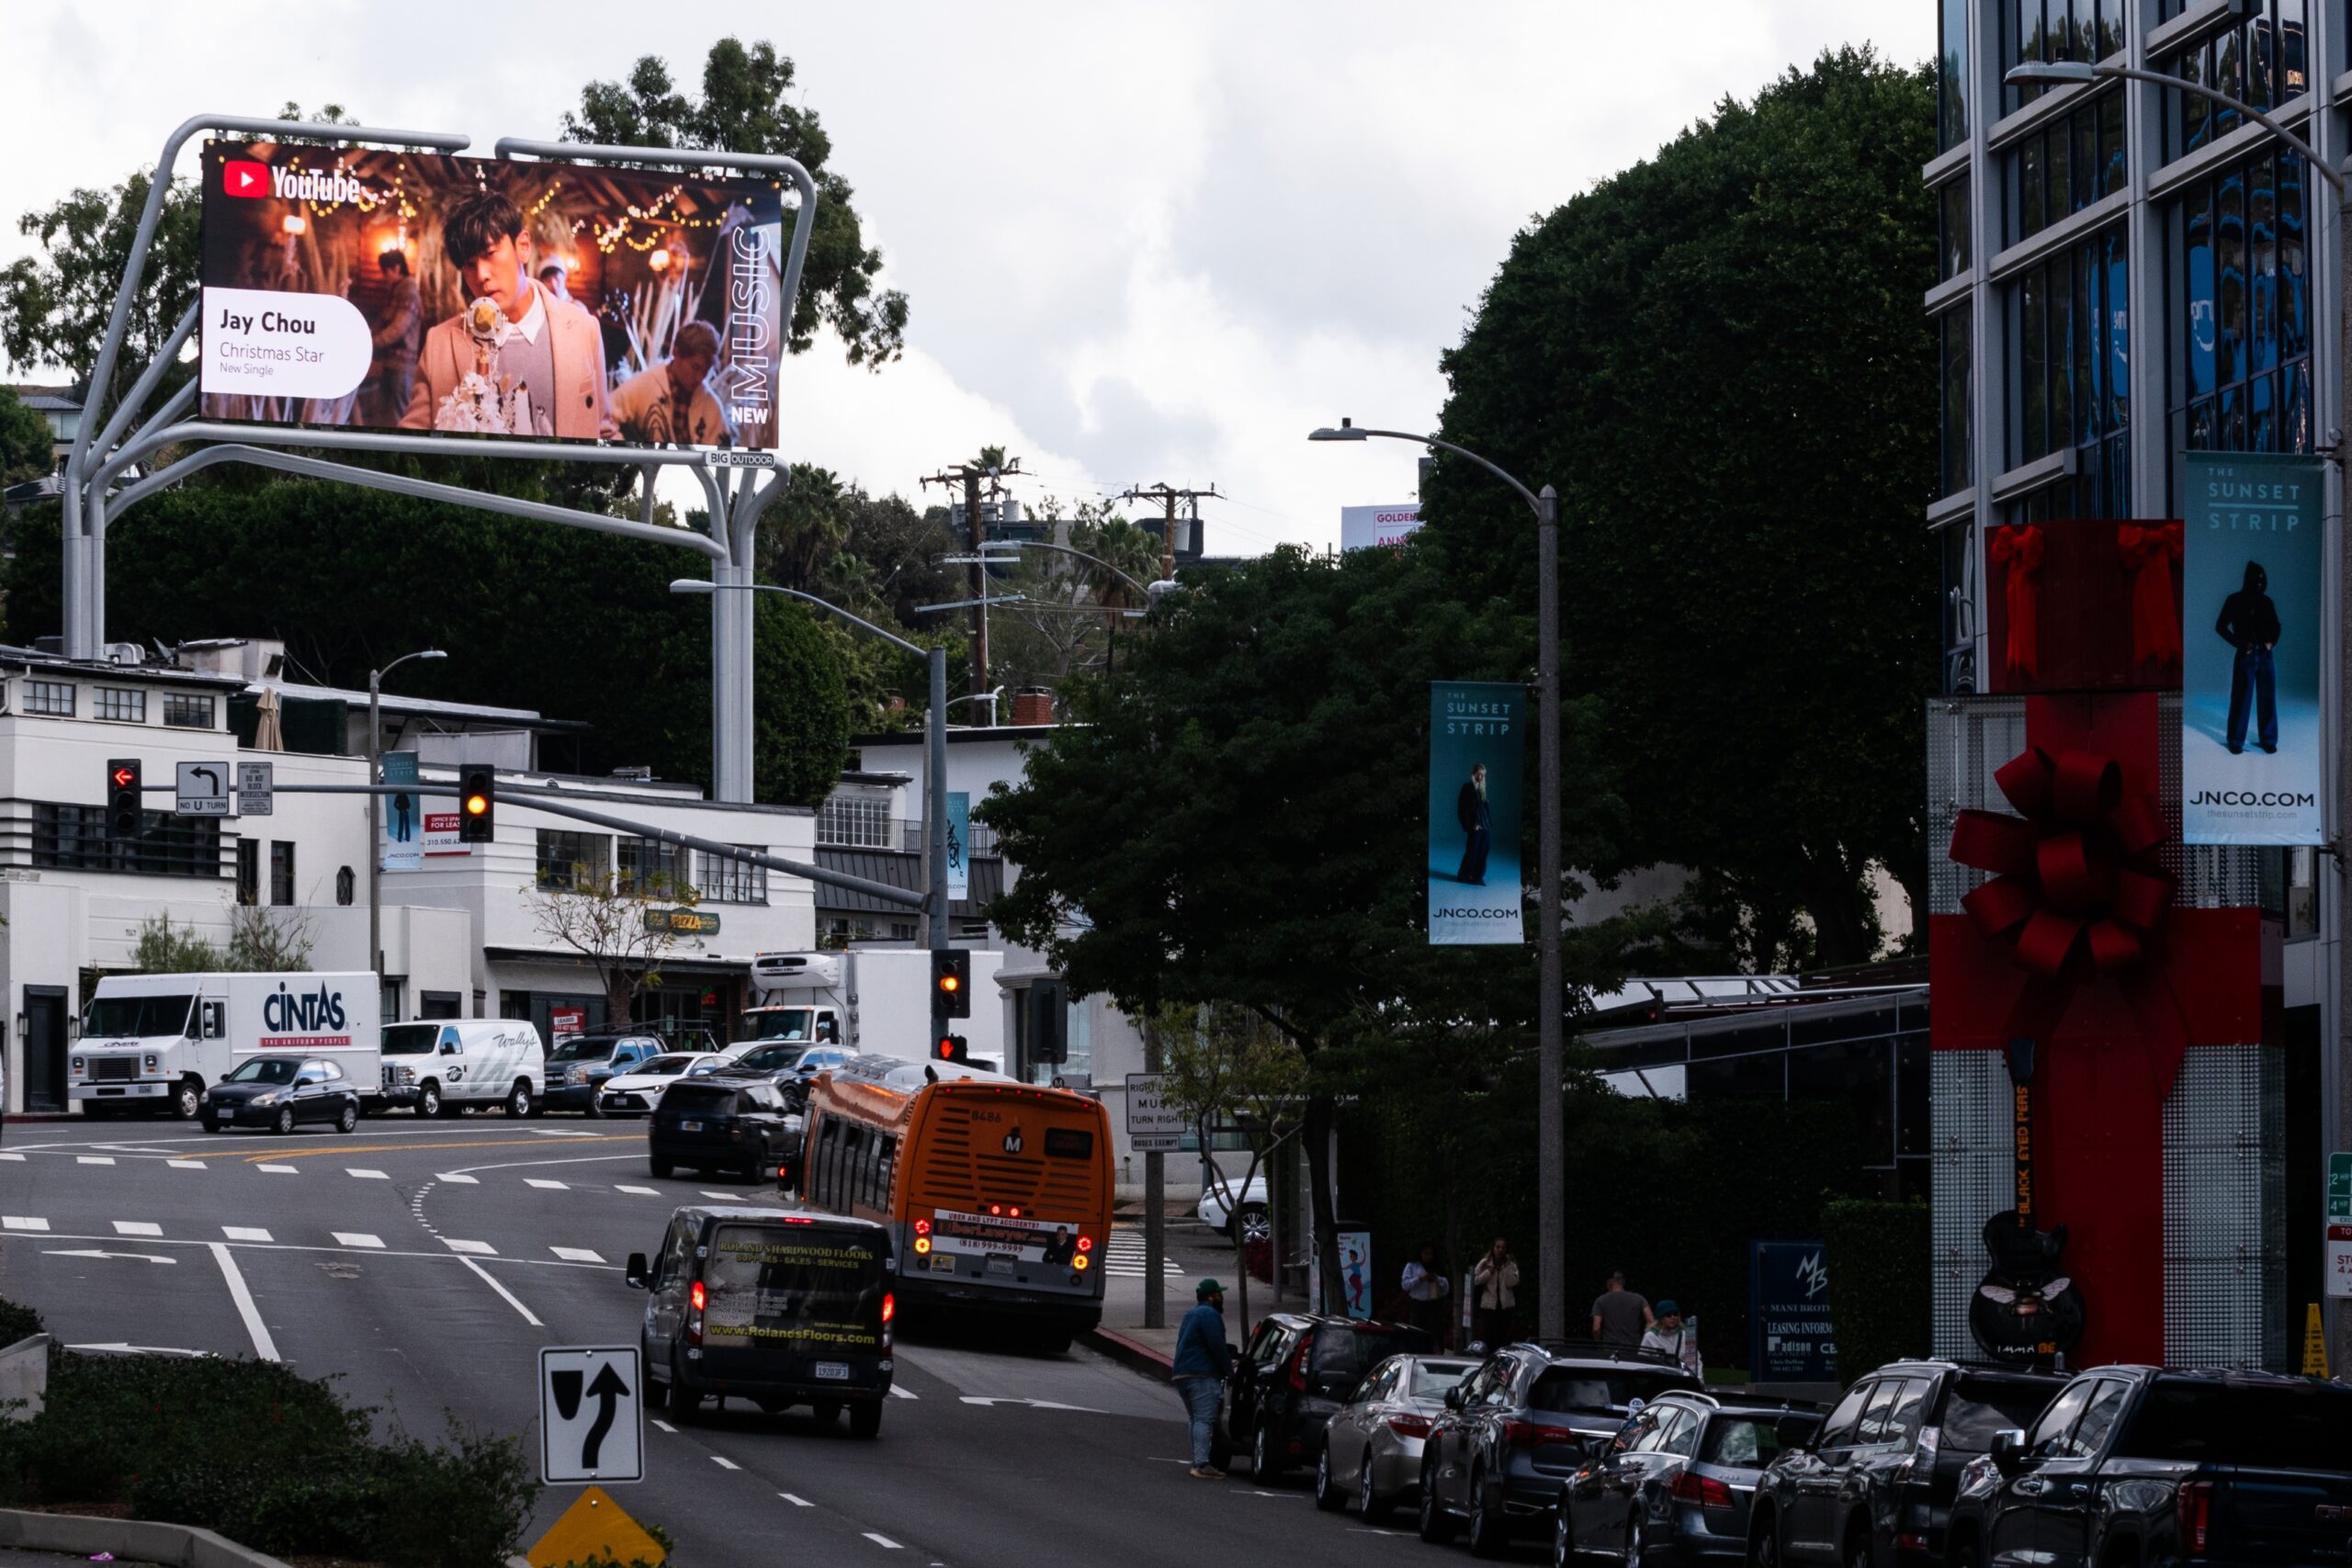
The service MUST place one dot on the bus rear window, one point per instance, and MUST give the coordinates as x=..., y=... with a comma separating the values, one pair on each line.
x=809, y=1285
x=1070, y=1142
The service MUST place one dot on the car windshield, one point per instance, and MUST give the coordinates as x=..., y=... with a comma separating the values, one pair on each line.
x=1754, y=1441
x=2281, y=1426
x=1982, y=1406
x=1432, y=1379
x=143, y=1016
x=582, y=1048
x=1351, y=1352
x=770, y=1058
x=264, y=1069
x=662, y=1066
x=1574, y=1388
x=410, y=1039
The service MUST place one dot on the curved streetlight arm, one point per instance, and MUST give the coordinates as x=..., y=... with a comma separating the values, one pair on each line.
x=376, y=677
x=696, y=585
x=1525, y=494
x=1098, y=560
x=2158, y=78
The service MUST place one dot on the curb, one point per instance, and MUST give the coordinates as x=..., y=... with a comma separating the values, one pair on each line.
x=1134, y=1355
x=34, y=1116
x=177, y=1546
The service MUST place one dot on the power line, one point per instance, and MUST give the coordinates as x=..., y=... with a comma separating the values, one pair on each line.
x=1169, y=495
x=969, y=475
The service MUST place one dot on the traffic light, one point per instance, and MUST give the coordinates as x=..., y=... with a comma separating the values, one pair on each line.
x=476, y=801
x=124, y=817
x=952, y=1048
x=951, y=983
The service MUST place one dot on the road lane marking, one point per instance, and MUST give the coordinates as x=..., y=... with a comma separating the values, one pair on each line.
x=723, y=1462
x=297, y=1247
x=22, y=1223
x=542, y=1183
x=18, y=1158
x=365, y=1175
x=884, y=1542
x=358, y=1238
x=406, y=1148
x=576, y=1255
x=264, y=1346
x=136, y=1227
x=640, y=1191
x=185, y=1164
x=722, y=1197
x=245, y=1232
x=898, y=1393
x=479, y=1248
x=94, y=1159
x=505, y=1294
x=796, y=1502
x=93, y=1252
x=456, y=1181
x=279, y=1169
x=664, y=1425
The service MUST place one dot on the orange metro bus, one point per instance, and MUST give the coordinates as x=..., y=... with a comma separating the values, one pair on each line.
x=997, y=1193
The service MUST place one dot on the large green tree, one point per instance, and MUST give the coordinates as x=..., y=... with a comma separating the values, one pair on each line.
x=27, y=449
x=1719, y=358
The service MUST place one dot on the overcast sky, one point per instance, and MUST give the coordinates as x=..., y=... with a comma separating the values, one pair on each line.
x=1142, y=243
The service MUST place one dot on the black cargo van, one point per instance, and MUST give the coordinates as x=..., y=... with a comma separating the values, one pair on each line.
x=779, y=1309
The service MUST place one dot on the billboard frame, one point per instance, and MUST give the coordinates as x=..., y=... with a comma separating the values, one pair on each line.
x=734, y=504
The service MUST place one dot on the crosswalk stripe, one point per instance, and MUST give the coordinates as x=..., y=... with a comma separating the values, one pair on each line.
x=244, y=1233
x=21, y=1223
x=279, y=1169
x=455, y=1180
x=723, y=1462
x=357, y=1238
x=94, y=1159
x=543, y=1182
x=136, y=1227
x=640, y=1191
x=898, y=1392
x=365, y=1175
x=576, y=1255
x=185, y=1164
x=14, y=1156
x=478, y=1248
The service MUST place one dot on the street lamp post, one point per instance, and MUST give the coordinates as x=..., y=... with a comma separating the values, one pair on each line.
x=935, y=749
x=375, y=776
x=2338, y=1108
x=1551, y=1114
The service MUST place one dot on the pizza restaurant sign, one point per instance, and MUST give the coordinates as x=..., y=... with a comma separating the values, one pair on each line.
x=681, y=922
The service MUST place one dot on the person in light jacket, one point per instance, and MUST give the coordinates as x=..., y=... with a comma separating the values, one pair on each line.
x=1676, y=1338
x=1495, y=1286
x=1201, y=1362
x=1425, y=1294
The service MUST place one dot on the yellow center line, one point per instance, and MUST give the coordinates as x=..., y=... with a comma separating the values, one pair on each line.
x=396, y=1149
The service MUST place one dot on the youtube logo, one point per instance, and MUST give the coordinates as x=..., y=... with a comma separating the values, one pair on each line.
x=243, y=177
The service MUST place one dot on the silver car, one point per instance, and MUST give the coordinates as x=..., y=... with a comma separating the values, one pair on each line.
x=1371, y=1448
x=1675, y=1485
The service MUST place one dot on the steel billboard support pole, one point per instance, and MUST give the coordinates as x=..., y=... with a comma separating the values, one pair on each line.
x=1155, y=1206
x=375, y=828
x=935, y=830
x=1552, y=1114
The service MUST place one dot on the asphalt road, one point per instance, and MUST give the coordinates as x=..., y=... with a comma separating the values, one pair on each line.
x=423, y=1263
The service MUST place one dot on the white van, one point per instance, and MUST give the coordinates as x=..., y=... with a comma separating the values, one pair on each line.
x=443, y=1066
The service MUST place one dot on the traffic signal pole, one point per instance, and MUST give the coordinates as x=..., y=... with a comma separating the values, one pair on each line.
x=936, y=826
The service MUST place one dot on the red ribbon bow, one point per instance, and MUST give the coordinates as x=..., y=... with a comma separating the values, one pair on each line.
x=2078, y=890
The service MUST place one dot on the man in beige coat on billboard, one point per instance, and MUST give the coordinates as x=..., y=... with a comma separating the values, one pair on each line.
x=550, y=349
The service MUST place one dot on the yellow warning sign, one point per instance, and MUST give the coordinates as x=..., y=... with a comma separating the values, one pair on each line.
x=596, y=1528
x=2314, y=1343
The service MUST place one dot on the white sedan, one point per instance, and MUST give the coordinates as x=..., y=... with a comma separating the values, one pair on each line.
x=1251, y=1203
x=636, y=1091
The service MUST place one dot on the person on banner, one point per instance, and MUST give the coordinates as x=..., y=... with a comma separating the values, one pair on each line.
x=1676, y=1337
x=1199, y=1368
x=395, y=328
x=2249, y=623
x=515, y=361
x=1425, y=1294
x=1495, y=1284
x=1477, y=818
x=668, y=405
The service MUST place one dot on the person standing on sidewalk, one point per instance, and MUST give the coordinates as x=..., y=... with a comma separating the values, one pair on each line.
x=1676, y=1338
x=1621, y=1316
x=1425, y=1294
x=1495, y=1283
x=1203, y=1359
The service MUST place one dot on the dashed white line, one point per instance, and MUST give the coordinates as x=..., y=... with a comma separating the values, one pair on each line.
x=479, y=1248
x=136, y=1227
x=264, y=1346
x=458, y=1180
x=358, y=1238
x=723, y=1197
x=11, y=1157
x=244, y=1233
x=723, y=1462
x=884, y=1542
x=22, y=1223
x=94, y=1159
x=640, y=1191
x=796, y=1502
x=577, y=1255
x=280, y=1169
x=365, y=1175
x=541, y=1182
x=667, y=1428
x=898, y=1393
x=185, y=1164
x=507, y=1295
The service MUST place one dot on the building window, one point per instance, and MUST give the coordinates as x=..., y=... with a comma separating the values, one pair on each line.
x=1955, y=338
x=2066, y=166
x=2241, y=381
x=1956, y=559
x=902, y=931
x=2052, y=29
x=117, y=704
x=2069, y=328
x=73, y=837
x=648, y=864
x=725, y=880
x=2263, y=61
x=248, y=870
x=282, y=872
x=1951, y=228
x=49, y=697
x=855, y=821
x=187, y=713
x=567, y=859
x=1952, y=76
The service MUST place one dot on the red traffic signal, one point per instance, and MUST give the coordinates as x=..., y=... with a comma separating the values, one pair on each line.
x=951, y=1048
x=126, y=816
x=124, y=776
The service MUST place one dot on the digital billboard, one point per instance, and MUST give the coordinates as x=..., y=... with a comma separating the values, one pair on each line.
x=382, y=290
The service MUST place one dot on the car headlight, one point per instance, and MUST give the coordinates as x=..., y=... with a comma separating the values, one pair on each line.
x=269, y=1099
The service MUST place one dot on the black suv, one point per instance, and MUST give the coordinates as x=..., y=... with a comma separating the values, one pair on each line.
x=717, y=1123
x=1516, y=1429
x=1295, y=1374
x=1875, y=1487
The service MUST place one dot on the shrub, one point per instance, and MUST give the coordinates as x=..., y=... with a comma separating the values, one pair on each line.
x=1880, y=1302
x=19, y=1322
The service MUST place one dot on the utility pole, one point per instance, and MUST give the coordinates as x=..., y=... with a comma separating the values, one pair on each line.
x=1169, y=495
x=994, y=468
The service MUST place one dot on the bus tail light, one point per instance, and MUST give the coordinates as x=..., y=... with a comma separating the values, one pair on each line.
x=922, y=1246
x=922, y=1228
x=1086, y=1244
x=1016, y=1211
x=1080, y=1261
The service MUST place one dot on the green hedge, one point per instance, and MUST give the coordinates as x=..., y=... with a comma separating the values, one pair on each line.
x=1880, y=1304
x=273, y=1461
x=18, y=1322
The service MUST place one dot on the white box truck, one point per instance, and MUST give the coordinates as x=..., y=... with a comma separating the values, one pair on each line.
x=876, y=1000
x=153, y=1042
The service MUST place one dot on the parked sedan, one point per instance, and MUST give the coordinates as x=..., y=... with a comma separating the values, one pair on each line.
x=722, y=1123
x=276, y=1092
x=1676, y=1485
x=636, y=1091
x=1371, y=1448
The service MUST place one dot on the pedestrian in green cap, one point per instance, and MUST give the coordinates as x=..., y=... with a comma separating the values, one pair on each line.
x=1203, y=1359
